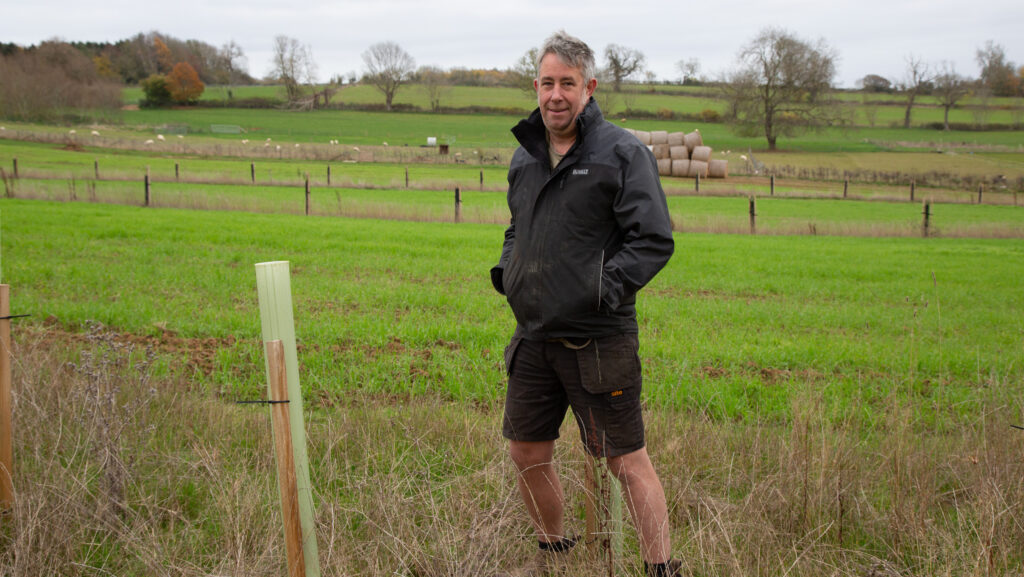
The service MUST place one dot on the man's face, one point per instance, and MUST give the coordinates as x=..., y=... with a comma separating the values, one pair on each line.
x=561, y=95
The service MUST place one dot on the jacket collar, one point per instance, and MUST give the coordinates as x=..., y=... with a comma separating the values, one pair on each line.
x=532, y=136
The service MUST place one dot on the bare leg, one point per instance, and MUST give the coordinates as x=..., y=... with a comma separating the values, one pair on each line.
x=539, y=486
x=645, y=499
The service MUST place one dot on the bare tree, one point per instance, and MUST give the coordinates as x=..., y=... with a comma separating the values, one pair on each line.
x=915, y=83
x=997, y=74
x=232, y=62
x=622, y=63
x=524, y=72
x=689, y=70
x=293, y=66
x=388, y=66
x=436, y=84
x=783, y=86
x=950, y=87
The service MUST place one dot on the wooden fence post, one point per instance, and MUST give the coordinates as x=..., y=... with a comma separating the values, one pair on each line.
x=177, y=173
x=458, y=205
x=96, y=169
x=6, y=412
x=307, y=194
x=753, y=215
x=481, y=179
x=913, y=184
x=407, y=177
x=696, y=183
x=146, y=181
x=328, y=175
x=286, y=481
x=927, y=212
x=771, y=191
x=980, y=188
x=252, y=172
x=278, y=323
x=15, y=161
x=846, y=187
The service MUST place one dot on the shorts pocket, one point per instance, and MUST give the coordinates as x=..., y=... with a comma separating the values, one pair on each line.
x=510, y=353
x=610, y=364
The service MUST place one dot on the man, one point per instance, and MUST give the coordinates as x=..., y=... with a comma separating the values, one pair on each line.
x=589, y=228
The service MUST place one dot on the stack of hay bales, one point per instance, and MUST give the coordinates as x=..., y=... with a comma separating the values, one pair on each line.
x=682, y=155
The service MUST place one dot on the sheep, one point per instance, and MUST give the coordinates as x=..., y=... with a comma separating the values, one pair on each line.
x=150, y=141
x=160, y=137
x=95, y=133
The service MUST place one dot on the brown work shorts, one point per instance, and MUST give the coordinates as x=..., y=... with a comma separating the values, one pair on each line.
x=599, y=378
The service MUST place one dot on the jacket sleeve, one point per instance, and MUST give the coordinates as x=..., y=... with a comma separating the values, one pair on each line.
x=498, y=270
x=641, y=212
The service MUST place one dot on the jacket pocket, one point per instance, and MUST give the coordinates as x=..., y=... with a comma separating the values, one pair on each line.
x=610, y=364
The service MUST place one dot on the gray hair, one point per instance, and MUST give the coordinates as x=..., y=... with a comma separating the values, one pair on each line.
x=571, y=51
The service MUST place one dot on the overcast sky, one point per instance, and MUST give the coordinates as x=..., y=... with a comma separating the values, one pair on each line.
x=869, y=36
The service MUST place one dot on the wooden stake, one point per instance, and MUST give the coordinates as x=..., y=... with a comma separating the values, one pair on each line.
x=6, y=412
x=252, y=172
x=927, y=212
x=146, y=182
x=912, y=186
x=753, y=215
x=603, y=513
x=276, y=317
x=458, y=205
x=286, y=480
x=771, y=191
x=307, y=195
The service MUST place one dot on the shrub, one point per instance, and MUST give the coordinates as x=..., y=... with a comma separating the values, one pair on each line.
x=709, y=115
x=156, y=91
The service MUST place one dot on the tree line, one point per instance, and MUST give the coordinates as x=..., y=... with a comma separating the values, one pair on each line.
x=781, y=85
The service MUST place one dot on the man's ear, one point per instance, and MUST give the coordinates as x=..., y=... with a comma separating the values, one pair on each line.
x=591, y=87
x=536, y=84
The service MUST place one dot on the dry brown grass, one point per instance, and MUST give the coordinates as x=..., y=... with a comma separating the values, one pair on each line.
x=124, y=468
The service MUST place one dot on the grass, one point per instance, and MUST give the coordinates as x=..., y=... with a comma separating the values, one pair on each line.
x=731, y=326
x=124, y=467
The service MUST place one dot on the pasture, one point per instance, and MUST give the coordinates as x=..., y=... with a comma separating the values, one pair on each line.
x=833, y=395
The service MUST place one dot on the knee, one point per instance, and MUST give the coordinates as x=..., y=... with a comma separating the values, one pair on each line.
x=632, y=467
x=529, y=455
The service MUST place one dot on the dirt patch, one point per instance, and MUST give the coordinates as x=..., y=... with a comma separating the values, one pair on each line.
x=199, y=354
x=73, y=147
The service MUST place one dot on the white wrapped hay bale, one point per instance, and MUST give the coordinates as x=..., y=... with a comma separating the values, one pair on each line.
x=680, y=167
x=697, y=168
x=644, y=137
x=693, y=140
x=660, y=151
x=664, y=166
x=718, y=168
x=679, y=152
x=702, y=153
x=676, y=139
x=659, y=137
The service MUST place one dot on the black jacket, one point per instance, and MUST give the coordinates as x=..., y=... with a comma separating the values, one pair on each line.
x=584, y=237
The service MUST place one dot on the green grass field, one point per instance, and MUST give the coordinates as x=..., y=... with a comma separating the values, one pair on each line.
x=406, y=308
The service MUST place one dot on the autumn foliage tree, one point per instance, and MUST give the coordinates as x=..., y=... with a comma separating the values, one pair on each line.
x=184, y=85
